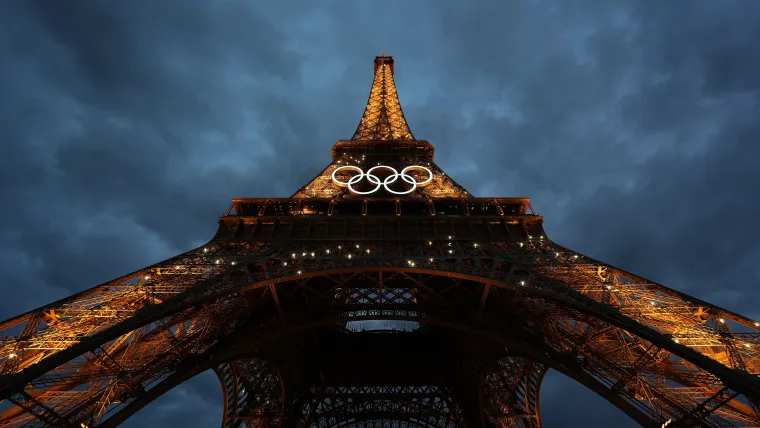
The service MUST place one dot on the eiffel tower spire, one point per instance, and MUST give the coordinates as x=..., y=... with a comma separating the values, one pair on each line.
x=384, y=142
x=383, y=118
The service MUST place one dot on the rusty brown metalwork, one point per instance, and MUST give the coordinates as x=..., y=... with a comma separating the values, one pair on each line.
x=429, y=309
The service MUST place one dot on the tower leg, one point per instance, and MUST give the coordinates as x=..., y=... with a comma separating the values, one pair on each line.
x=253, y=394
x=510, y=393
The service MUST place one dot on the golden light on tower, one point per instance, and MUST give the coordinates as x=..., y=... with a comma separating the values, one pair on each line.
x=382, y=235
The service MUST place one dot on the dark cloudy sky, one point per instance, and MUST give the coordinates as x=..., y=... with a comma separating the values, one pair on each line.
x=127, y=126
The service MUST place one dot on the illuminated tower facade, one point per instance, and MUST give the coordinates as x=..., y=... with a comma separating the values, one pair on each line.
x=381, y=294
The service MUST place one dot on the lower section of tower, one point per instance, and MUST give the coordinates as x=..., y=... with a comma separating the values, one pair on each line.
x=339, y=377
x=443, y=331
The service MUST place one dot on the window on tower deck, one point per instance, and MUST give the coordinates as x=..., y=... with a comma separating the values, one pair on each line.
x=395, y=292
x=382, y=326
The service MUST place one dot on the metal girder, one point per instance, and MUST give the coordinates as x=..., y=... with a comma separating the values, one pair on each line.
x=386, y=258
x=373, y=229
x=252, y=393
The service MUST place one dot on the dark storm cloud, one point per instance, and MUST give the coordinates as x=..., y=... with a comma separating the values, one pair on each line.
x=638, y=141
x=126, y=128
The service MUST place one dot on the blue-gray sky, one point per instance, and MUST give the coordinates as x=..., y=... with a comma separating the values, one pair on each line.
x=127, y=127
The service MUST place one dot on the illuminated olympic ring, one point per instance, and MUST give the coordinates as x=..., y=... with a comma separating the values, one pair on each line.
x=390, y=179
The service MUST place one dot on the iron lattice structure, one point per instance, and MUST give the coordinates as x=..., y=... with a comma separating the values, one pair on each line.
x=340, y=307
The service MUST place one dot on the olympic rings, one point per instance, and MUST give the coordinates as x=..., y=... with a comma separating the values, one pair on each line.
x=375, y=180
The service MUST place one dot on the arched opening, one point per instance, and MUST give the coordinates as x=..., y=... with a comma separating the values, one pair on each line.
x=387, y=411
x=567, y=403
x=198, y=402
x=515, y=316
x=251, y=395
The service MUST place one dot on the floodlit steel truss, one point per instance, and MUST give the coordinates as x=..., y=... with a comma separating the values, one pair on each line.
x=651, y=351
x=437, y=309
x=383, y=118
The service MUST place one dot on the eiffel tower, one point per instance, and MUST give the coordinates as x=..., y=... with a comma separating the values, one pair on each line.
x=380, y=294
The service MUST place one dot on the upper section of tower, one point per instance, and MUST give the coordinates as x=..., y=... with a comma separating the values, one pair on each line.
x=383, y=118
x=382, y=159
